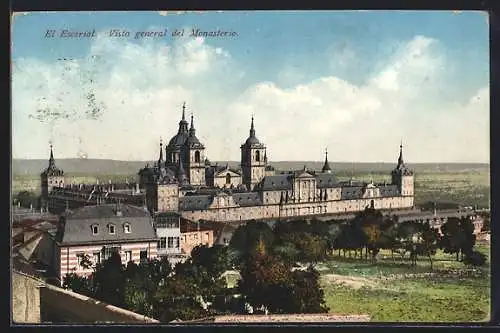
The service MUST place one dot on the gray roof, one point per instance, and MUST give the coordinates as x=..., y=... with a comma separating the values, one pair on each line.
x=389, y=190
x=351, y=192
x=78, y=224
x=277, y=182
x=178, y=140
x=196, y=202
x=247, y=199
x=325, y=180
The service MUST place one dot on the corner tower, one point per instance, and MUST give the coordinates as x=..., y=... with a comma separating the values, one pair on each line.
x=50, y=178
x=402, y=176
x=253, y=160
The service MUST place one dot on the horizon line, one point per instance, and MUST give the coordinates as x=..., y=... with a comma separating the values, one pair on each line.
x=236, y=161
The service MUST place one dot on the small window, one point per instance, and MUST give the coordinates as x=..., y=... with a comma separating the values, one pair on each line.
x=95, y=229
x=111, y=229
x=143, y=255
x=96, y=258
x=162, y=243
x=126, y=228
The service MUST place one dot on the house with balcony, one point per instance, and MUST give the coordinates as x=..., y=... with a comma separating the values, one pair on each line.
x=168, y=231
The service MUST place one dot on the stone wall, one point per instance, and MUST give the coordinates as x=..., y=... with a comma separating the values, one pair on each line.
x=25, y=299
x=60, y=305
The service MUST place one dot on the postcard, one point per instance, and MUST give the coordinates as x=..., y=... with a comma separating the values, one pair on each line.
x=250, y=166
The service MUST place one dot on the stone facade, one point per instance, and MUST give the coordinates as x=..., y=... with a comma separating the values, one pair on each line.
x=187, y=183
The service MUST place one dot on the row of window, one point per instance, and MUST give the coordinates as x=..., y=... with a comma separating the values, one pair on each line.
x=169, y=242
x=99, y=256
x=111, y=228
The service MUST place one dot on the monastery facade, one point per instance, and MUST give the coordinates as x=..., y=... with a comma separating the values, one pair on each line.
x=183, y=180
x=187, y=182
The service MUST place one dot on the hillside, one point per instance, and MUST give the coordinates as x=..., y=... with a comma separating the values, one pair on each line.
x=33, y=167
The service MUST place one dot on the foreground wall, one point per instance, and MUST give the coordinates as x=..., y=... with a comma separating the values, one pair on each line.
x=61, y=305
x=25, y=299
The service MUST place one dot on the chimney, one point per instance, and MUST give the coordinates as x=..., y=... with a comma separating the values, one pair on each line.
x=119, y=208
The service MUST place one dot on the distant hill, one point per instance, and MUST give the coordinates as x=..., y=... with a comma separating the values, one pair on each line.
x=112, y=167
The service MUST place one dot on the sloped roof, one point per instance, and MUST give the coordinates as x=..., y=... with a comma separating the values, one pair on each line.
x=78, y=224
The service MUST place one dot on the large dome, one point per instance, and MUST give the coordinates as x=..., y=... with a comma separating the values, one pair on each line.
x=178, y=140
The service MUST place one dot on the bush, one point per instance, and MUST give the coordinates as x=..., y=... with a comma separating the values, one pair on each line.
x=476, y=258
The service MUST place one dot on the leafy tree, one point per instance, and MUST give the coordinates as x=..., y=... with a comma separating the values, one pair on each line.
x=27, y=199
x=246, y=237
x=306, y=295
x=216, y=259
x=428, y=241
x=78, y=284
x=109, y=281
x=468, y=239
x=178, y=299
x=372, y=232
x=475, y=258
x=287, y=252
x=451, y=238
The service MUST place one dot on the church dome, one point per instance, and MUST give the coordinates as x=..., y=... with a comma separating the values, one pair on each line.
x=252, y=140
x=178, y=140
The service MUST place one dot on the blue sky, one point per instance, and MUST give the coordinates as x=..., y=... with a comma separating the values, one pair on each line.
x=353, y=81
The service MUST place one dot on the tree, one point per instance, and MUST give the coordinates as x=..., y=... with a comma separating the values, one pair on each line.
x=372, y=233
x=79, y=284
x=428, y=241
x=109, y=281
x=216, y=259
x=451, y=238
x=264, y=281
x=306, y=295
x=27, y=199
x=246, y=237
x=468, y=238
x=475, y=258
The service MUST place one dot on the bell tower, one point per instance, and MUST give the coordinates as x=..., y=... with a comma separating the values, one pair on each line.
x=253, y=159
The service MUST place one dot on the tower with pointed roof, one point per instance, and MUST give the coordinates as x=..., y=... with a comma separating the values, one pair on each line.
x=402, y=176
x=326, y=166
x=253, y=159
x=161, y=162
x=50, y=178
x=173, y=150
x=194, y=158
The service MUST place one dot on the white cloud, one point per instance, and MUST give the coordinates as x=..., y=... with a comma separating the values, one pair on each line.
x=143, y=86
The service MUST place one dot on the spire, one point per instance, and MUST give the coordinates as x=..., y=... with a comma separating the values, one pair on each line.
x=265, y=156
x=252, y=129
x=192, y=131
x=160, y=159
x=52, y=162
x=326, y=166
x=400, y=159
x=183, y=125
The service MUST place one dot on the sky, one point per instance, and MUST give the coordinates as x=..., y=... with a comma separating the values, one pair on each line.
x=355, y=82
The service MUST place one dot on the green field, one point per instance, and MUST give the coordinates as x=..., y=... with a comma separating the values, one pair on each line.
x=391, y=290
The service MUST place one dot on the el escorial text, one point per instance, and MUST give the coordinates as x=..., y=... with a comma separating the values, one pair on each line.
x=124, y=33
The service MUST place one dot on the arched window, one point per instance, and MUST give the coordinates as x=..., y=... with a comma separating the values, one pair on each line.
x=197, y=156
x=257, y=156
x=111, y=229
x=126, y=228
x=228, y=178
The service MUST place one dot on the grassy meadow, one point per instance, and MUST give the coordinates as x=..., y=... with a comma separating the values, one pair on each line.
x=392, y=291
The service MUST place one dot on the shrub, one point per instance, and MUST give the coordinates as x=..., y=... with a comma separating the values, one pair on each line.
x=476, y=258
